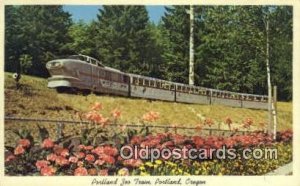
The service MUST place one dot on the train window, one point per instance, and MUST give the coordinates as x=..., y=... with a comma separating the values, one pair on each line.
x=172, y=87
x=140, y=82
x=151, y=83
x=93, y=61
x=135, y=81
x=158, y=84
x=146, y=82
x=187, y=89
x=179, y=88
x=125, y=79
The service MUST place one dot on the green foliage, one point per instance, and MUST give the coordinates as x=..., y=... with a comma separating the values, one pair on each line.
x=26, y=63
x=37, y=31
x=124, y=40
x=230, y=43
x=175, y=30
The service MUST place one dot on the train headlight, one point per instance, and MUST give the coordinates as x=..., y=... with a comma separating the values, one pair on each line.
x=54, y=64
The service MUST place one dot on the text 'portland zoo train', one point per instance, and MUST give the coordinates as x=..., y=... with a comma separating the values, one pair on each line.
x=80, y=72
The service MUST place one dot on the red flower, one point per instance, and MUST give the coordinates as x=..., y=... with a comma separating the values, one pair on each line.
x=96, y=106
x=116, y=113
x=151, y=116
x=112, y=151
x=79, y=155
x=51, y=157
x=133, y=162
x=81, y=171
x=92, y=171
x=81, y=147
x=208, y=121
x=41, y=164
x=198, y=141
x=136, y=140
x=103, y=172
x=47, y=143
x=10, y=157
x=60, y=160
x=65, y=153
x=48, y=171
x=89, y=158
x=73, y=159
x=99, y=162
x=248, y=122
x=90, y=147
x=19, y=150
x=58, y=149
x=107, y=158
x=96, y=118
x=24, y=143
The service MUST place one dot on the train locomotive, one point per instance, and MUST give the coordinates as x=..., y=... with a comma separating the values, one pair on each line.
x=81, y=72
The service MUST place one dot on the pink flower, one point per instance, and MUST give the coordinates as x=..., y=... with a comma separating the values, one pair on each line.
x=133, y=162
x=60, y=160
x=48, y=171
x=47, y=143
x=99, y=162
x=81, y=171
x=9, y=158
x=89, y=158
x=150, y=116
x=64, y=153
x=116, y=113
x=96, y=106
x=79, y=155
x=24, y=143
x=208, y=121
x=19, y=150
x=90, y=147
x=107, y=158
x=73, y=159
x=41, y=164
x=51, y=157
x=103, y=172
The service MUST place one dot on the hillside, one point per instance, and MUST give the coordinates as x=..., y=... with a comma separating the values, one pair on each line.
x=35, y=100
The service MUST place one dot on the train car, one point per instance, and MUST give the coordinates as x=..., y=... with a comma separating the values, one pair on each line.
x=85, y=73
x=82, y=72
x=151, y=88
x=192, y=94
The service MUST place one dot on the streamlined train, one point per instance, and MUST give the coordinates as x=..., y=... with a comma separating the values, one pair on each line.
x=81, y=72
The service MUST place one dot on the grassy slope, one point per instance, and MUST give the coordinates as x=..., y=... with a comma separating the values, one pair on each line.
x=37, y=101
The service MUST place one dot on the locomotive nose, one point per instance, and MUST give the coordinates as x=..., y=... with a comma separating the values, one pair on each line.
x=54, y=64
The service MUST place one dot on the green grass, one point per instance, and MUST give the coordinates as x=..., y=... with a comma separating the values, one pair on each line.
x=35, y=100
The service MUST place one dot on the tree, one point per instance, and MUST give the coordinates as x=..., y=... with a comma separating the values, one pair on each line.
x=37, y=31
x=124, y=40
x=81, y=41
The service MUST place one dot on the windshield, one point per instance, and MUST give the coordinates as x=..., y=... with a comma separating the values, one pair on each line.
x=77, y=57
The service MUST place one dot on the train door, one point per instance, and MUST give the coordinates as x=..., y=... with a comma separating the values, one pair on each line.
x=94, y=75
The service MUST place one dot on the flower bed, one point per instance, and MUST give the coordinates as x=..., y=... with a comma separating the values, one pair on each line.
x=98, y=152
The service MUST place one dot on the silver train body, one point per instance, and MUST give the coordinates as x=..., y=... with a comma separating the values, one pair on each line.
x=85, y=73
